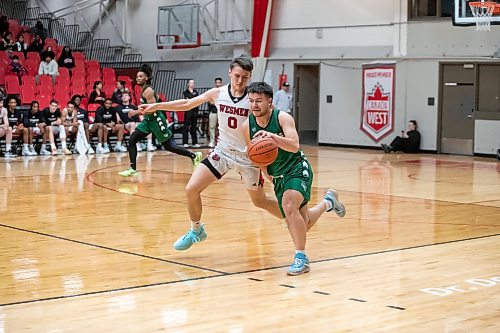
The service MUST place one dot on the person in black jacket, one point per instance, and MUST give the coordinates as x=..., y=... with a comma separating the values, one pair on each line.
x=66, y=58
x=408, y=142
x=106, y=116
x=190, y=118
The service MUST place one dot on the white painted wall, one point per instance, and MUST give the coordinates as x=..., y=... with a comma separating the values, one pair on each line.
x=487, y=136
x=340, y=120
x=346, y=34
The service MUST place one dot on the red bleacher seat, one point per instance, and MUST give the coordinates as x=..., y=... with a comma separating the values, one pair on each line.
x=45, y=80
x=62, y=81
x=43, y=101
x=12, y=86
x=50, y=42
x=32, y=66
x=180, y=117
x=3, y=68
x=92, y=107
x=93, y=64
x=79, y=56
x=137, y=92
x=64, y=72
x=28, y=80
x=84, y=102
x=33, y=55
x=14, y=27
x=163, y=97
x=108, y=76
x=77, y=89
x=28, y=94
x=108, y=89
x=62, y=96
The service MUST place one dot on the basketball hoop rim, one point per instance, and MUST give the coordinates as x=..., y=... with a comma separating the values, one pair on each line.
x=486, y=4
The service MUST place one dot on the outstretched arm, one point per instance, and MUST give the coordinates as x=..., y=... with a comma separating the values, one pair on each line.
x=290, y=142
x=181, y=104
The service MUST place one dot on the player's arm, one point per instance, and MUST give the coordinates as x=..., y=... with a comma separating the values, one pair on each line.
x=246, y=134
x=290, y=142
x=64, y=112
x=133, y=113
x=5, y=118
x=181, y=104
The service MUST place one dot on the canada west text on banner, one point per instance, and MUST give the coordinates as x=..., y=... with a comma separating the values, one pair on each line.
x=377, y=114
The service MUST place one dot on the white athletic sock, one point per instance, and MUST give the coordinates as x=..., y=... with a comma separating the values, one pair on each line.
x=300, y=251
x=7, y=146
x=99, y=145
x=25, y=146
x=195, y=225
x=119, y=143
x=63, y=143
x=150, y=142
x=53, y=146
x=31, y=146
x=328, y=203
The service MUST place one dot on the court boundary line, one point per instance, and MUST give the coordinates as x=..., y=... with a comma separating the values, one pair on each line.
x=235, y=273
x=112, y=249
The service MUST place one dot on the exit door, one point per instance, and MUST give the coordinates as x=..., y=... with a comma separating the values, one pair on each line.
x=457, y=111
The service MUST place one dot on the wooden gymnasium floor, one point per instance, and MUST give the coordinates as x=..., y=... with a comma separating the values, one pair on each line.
x=82, y=250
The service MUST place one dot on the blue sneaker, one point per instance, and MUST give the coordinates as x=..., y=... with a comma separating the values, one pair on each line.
x=337, y=206
x=190, y=238
x=300, y=265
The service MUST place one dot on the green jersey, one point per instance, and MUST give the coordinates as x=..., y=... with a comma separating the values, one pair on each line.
x=156, y=122
x=286, y=161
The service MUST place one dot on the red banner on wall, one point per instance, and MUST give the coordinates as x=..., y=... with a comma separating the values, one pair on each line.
x=377, y=111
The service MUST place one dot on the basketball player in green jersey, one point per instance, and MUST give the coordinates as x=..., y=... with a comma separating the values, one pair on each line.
x=155, y=123
x=291, y=172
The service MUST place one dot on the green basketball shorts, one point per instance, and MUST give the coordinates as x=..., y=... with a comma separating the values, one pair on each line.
x=299, y=178
x=157, y=124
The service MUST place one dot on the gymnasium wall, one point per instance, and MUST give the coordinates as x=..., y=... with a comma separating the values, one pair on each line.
x=340, y=36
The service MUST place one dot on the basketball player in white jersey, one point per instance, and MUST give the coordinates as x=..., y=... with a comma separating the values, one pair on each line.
x=229, y=153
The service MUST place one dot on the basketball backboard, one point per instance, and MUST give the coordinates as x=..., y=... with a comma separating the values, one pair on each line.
x=178, y=26
x=462, y=15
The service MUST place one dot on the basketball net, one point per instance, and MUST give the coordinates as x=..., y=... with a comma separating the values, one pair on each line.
x=482, y=11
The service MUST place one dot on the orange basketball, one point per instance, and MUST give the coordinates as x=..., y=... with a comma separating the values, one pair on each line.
x=262, y=151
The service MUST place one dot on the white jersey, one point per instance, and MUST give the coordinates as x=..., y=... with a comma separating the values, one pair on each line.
x=231, y=112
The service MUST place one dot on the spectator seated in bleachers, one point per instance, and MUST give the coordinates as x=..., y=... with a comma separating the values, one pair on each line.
x=4, y=24
x=83, y=116
x=53, y=126
x=36, y=45
x=66, y=58
x=129, y=116
x=15, y=67
x=69, y=119
x=34, y=124
x=5, y=130
x=7, y=42
x=107, y=116
x=97, y=95
x=40, y=30
x=119, y=90
x=48, y=66
x=15, y=118
x=20, y=45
